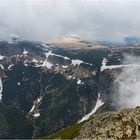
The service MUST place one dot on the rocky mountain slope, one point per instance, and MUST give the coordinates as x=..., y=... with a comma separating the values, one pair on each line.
x=44, y=88
x=124, y=124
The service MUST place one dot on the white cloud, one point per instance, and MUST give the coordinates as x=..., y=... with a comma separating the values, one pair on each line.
x=90, y=19
x=127, y=85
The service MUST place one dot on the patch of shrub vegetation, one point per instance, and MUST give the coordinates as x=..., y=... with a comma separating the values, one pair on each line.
x=67, y=133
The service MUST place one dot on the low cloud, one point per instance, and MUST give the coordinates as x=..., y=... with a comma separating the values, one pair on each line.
x=127, y=84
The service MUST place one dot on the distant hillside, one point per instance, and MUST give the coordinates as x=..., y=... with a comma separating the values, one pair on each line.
x=77, y=43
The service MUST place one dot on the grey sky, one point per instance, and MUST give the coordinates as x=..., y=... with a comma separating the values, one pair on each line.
x=89, y=19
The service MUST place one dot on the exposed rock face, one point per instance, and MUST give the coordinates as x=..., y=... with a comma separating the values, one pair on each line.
x=124, y=124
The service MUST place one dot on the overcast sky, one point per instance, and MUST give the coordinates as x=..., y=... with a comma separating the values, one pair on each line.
x=89, y=19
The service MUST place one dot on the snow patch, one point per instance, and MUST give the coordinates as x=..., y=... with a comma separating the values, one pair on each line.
x=104, y=62
x=25, y=52
x=49, y=65
x=47, y=46
x=18, y=83
x=1, y=57
x=46, y=63
x=25, y=63
x=79, y=82
x=34, y=60
x=37, y=46
x=78, y=62
x=53, y=54
x=10, y=66
x=44, y=45
x=35, y=104
x=69, y=77
x=99, y=103
x=39, y=99
x=1, y=89
x=36, y=114
x=120, y=66
x=2, y=67
x=64, y=67
x=65, y=57
x=32, y=109
x=119, y=59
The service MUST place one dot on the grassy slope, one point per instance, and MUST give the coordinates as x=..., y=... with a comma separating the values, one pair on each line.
x=67, y=133
x=70, y=132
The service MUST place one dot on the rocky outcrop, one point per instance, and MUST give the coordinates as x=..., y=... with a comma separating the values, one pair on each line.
x=124, y=124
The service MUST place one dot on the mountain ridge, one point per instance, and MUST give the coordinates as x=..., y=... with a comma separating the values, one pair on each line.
x=123, y=124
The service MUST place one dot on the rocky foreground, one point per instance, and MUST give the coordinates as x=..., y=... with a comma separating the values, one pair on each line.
x=124, y=124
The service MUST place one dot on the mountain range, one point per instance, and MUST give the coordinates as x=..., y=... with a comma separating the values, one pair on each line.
x=45, y=87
